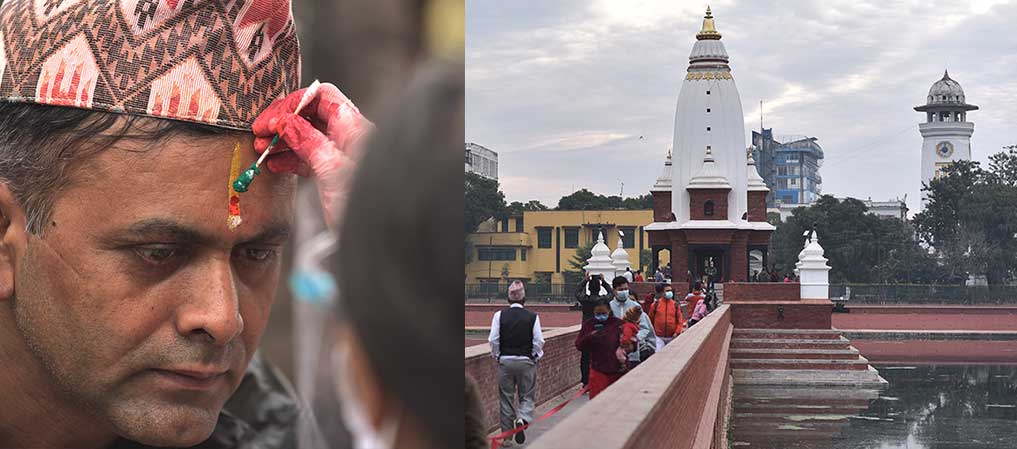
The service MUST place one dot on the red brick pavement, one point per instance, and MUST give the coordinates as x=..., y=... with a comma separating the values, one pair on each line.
x=938, y=351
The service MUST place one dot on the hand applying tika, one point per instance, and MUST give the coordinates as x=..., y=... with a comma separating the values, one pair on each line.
x=323, y=141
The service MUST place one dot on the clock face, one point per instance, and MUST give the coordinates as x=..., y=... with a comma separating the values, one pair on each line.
x=944, y=149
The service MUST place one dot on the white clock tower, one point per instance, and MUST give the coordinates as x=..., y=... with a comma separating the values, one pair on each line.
x=946, y=131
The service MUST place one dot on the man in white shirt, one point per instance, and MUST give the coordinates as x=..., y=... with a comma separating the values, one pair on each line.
x=516, y=343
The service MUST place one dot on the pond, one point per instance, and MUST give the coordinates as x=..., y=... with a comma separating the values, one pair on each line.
x=923, y=407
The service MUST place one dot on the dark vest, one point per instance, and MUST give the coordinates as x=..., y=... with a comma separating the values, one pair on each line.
x=516, y=331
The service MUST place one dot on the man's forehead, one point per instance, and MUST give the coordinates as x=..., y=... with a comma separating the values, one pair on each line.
x=180, y=180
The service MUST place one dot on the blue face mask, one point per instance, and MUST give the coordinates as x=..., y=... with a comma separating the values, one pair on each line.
x=600, y=316
x=669, y=295
x=622, y=295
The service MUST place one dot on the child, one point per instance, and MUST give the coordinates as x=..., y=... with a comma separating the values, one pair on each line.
x=629, y=344
x=699, y=312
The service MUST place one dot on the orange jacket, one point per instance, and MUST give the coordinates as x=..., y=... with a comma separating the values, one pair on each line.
x=666, y=316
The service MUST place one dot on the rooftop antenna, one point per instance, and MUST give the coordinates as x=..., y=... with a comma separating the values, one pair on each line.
x=622, y=192
x=760, y=116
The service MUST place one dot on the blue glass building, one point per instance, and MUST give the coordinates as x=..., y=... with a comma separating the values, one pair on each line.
x=789, y=166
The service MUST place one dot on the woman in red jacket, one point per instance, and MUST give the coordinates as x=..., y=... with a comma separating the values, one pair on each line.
x=600, y=336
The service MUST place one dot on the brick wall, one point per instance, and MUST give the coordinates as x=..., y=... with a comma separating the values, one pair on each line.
x=757, y=206
x=762, y=291
x=661, y=206
x=699, y=197
x=679, y=257
x=805, y=314
x=557, y=371
x=676, y=399
x=739, y=257
x=754, y=305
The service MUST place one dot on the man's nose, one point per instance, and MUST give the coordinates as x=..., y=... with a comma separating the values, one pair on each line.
x=210, y=309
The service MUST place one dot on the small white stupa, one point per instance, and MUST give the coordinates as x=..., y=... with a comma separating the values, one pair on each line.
x=620, y=258
x=813, y=272
x=600, y=259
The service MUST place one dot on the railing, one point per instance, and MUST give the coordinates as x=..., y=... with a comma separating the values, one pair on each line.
x=675, y=399
x=861, y=294
x=535, y=293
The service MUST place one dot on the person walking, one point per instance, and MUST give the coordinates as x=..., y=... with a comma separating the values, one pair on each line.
x=600, y=337
x=666, y=316
x=589, y=293
x=698, y=312
x=638, y=277
x=517, y=344
x=694, y=297
x=623, y=302
x=628, y=274
x=658, y=276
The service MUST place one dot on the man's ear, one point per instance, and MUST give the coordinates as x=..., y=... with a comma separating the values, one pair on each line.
x=13, y=240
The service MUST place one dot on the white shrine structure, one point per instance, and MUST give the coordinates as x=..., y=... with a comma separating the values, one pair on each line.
x=706, y=211
x=946, y=132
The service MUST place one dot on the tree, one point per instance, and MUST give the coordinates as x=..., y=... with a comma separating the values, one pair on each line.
x=970, y=218
x=577, y=262
x=587, y=200
x=861, y=247
x=483, y=201
x=646, y=261
x=517, y=208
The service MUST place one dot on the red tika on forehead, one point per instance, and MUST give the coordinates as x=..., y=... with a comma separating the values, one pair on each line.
x=214, y=62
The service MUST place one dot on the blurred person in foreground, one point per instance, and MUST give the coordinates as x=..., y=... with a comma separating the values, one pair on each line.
x=392, y=368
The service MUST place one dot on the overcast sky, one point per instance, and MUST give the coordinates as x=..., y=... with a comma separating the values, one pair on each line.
x=563, y=89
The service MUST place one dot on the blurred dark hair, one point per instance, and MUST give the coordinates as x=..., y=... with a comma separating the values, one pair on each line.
x=476, y=427
x=618, y=281
x=697, y=286
x=398, y=272
x=40, y=145
x=659, y=287
x=602, y=301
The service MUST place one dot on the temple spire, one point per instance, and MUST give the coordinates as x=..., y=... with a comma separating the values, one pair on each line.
x=709, y=30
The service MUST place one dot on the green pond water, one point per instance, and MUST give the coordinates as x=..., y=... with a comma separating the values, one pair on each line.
x=923, y=407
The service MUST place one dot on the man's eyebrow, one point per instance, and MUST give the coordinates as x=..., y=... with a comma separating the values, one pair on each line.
x=273, y=232
x=175, y=231
x=167, y=228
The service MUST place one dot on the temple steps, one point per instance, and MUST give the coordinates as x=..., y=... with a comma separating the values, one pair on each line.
x=793, y=357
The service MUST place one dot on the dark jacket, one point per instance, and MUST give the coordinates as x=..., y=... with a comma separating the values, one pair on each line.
x=602, y=347
x=262, y=414
x=587, y=301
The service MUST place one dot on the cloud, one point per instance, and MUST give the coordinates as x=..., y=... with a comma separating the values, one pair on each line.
x=563, y=89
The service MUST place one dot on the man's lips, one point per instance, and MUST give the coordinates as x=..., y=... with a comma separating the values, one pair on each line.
x=192, y=378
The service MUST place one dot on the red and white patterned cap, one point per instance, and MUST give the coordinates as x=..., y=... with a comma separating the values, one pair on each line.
x=208, y=61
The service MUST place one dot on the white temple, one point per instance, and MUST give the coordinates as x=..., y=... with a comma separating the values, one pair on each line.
x=719, y=215
x=709, y=114
x=600, y=261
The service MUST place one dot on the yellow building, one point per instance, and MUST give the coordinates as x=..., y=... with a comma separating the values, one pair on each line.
x=539, y=245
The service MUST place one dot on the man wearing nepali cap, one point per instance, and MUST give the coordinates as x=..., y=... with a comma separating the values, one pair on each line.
x=135, y=281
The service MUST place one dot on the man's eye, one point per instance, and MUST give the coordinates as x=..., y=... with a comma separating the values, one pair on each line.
x=258, y=255
x=155, y=255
